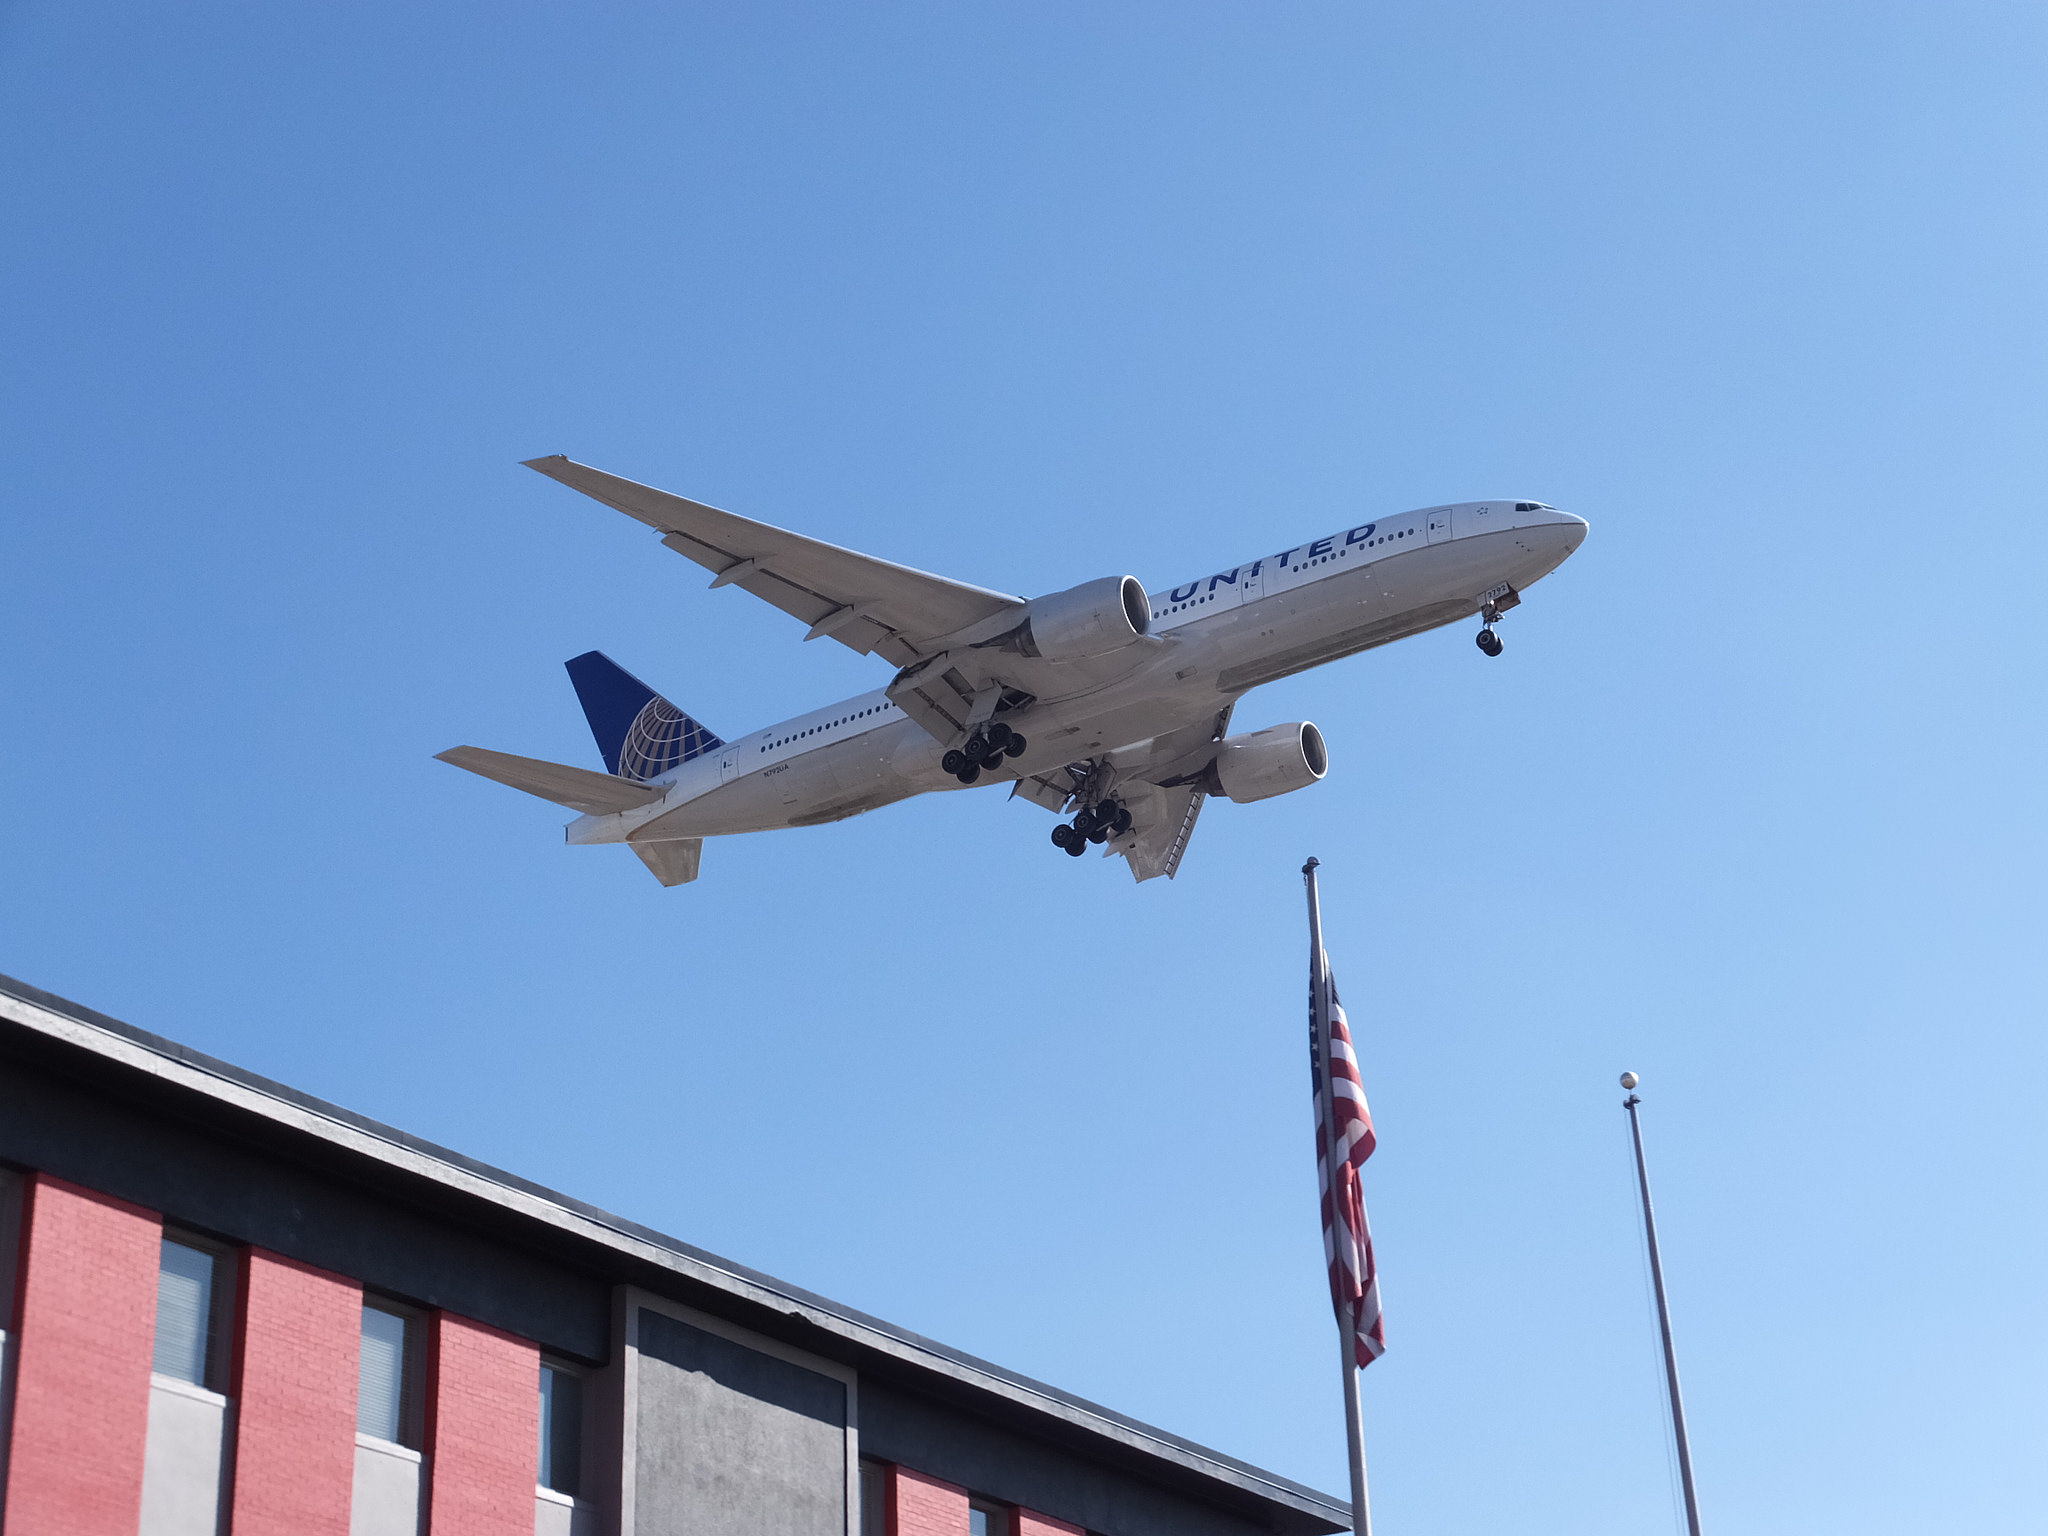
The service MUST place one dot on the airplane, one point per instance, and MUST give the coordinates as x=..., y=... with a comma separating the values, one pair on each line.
x=1105, y=704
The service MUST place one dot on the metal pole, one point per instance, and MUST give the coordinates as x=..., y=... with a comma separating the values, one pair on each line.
x=1319, y=1012
x=1635, y=1126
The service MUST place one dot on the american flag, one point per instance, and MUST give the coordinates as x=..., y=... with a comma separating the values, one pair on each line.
x=1347, y=1241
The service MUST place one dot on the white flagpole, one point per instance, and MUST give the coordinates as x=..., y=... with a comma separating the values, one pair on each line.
x=1319, y=1015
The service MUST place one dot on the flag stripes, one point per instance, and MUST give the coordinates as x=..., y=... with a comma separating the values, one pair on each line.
x=1347, y=1142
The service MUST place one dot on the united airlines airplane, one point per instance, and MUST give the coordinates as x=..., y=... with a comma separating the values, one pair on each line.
x=1108, y=706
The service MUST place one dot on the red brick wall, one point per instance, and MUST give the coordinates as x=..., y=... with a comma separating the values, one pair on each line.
x=296, y=1359
x=483, y=1430
x=81, y=1386
x=1031, y=1523
x=923, y=1506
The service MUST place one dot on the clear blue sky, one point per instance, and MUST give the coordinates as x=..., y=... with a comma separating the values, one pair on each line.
x=1028, y=294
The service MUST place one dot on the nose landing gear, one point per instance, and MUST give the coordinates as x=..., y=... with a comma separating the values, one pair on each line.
x=1487, y=640
x=988, y=748
x=1492, y=604
x=1095, y=824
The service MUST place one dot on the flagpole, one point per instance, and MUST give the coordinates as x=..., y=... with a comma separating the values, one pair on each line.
x=1635, y=1126
x=1319, y=1004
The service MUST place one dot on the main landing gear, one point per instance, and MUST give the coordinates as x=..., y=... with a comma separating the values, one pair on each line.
x=988, y=747
x=1096, y=824
x=1488, y=641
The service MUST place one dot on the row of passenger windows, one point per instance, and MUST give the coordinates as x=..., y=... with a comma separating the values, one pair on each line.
x=827, y=726
x=194, y=1311
x=1385, y=538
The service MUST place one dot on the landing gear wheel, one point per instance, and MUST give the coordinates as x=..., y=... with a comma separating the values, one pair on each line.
x=953, y=761
x=1099, y=835
x=993, y=760
x=1015, y=746
x=1077, y=847
x=999, y=736
x=1122, y=823
x=1489, y=642
x=1062, y=835
x=969, y=774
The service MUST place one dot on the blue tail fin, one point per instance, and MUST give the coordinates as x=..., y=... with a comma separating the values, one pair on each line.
x=639, y=732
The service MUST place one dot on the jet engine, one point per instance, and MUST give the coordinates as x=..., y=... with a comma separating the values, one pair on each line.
x=1262, y=764
x=1092, y=619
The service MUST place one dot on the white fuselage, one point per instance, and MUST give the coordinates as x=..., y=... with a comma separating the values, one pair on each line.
x=1212, y=640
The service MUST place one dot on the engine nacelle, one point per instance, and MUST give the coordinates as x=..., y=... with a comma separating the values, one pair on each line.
x=1262, y=764
x=1092, y=619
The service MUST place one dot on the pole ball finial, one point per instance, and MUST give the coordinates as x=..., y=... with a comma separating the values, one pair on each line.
x=1629, y=1080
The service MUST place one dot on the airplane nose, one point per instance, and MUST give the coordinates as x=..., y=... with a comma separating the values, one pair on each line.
x=1575, y=529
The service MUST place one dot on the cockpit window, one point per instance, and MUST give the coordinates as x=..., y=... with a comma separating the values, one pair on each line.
x=1534, y=506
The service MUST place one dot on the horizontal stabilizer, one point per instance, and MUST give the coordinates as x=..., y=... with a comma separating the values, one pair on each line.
x=673, y=860
x=581, y=789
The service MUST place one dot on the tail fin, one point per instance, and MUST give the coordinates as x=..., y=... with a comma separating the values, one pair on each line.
x=639, y=732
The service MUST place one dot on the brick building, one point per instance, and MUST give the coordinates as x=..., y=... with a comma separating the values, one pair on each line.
x=231, y=1308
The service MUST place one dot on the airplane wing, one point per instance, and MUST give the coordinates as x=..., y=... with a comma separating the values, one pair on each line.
x=864, y=603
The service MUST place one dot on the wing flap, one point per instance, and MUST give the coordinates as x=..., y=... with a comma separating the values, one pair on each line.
x=1160, y=829
x=890, y=609
x=1164, y=794
x=1051, y=790
x=581, y=789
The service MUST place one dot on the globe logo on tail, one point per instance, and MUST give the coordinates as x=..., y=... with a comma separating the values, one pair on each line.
x=661, y=737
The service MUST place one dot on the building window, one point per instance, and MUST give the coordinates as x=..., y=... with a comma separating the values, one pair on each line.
x=388, y=1387
x=987, y=1519
x=561, y=1430
x=874, y=1506
x=191, y=1291
x=10, y=1252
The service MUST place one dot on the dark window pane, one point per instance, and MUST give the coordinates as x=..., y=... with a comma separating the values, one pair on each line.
x=10, y=1228
x=184, y=1312
x=380, y=1395
x=561, y=1431
x=874, y=1514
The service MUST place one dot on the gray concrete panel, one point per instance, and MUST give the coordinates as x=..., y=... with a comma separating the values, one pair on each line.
x=385, y=1499
x=556, y=1516
x=182, y=1460
x=942, y=1441
x=734, y=1442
